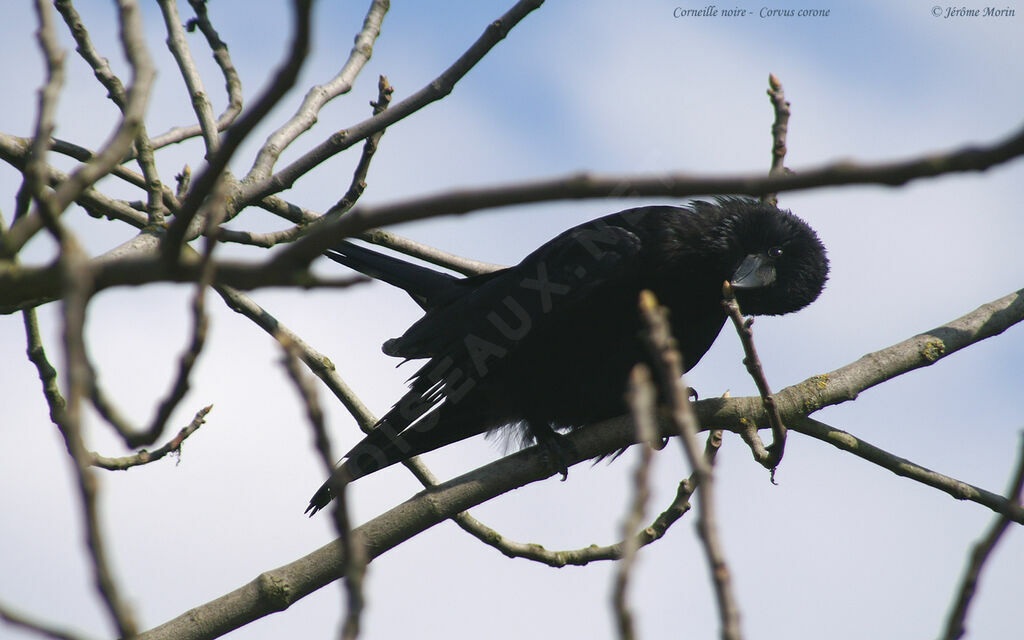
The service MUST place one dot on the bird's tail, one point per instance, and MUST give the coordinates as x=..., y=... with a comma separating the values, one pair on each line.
x=426, y=286
x=386, y=445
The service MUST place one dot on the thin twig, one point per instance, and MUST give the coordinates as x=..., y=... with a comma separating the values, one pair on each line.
x=679, y=506
x=115, y=91
x=180, y=385
x=178, y=46
x=134, y=178
x=352, y=548
x=358, y=185
x=320, y=95
x=433, y=255
x=203, y=184
x=77, y=278
x=669, y=374
x=233, y=83
x=434, y=91
x=34, y=186
x=641, y=396
x=779, y=130
x=908, y=469
x=355, y=190
x=145, y=457
x=955, y=628
x=186, y=362
x=771, y=456
x=317, y=362
x=39, y=627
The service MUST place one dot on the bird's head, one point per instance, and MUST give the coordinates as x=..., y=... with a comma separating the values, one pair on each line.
x=779, y=264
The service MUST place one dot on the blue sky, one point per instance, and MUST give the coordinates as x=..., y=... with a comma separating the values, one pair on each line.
x=607, y=87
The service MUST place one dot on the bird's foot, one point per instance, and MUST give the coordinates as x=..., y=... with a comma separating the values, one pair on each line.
x=557, y=448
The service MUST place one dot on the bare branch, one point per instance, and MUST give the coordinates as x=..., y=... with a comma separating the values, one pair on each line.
x=306, y=224
x=922, y=350
x=145, y=457
x=231, y=80
x=419, y=250
x=439, y=88
x=352, y=547
x=320, y=95
x=668, y=368
x=318, y=363
x=38, y=627
x=771, y=456
x=779, y=130
x=47, y=374
x=116, y=92
x=358, y=185
x=980, y=554
x=178, y=46
x=34, y=186
x=203, y=185
x=585, y=186
x=82, y=154
x=28, y=286
x=76, y=277
x=641, y=395
x=275, y=590
x=186, y=362
x=16, y=152
x=132, y=37
x=902, y=467
x=264, y=595
x=85, y=48
x=592, y=553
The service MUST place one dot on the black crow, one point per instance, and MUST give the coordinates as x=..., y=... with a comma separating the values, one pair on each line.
x=547, y=344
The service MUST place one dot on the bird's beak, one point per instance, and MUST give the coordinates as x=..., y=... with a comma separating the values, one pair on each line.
x=756, y=270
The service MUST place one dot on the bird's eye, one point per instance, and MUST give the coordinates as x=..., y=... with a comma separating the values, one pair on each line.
x=775, y=252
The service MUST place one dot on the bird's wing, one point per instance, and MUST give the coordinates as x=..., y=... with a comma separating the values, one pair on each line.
x=468, y=337
x=499, y=309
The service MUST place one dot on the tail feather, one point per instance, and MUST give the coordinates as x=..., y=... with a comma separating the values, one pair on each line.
x=385, y=446
x=426, y=286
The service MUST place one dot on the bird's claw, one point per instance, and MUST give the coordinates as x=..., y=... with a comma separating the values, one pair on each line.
x=557, y=449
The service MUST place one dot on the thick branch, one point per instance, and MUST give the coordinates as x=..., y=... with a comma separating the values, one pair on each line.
x=277, y=589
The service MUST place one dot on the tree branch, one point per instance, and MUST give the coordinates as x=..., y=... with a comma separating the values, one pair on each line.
x=780, y=128
x=769, y=457
x=668, y=367
x=352, y=546
x=203, y=185
x=146, y=457
x=980, y=554
x=587, y=186
x=275, y=590
x=178, y=46
x=439, y=88
x=320, y=95
x=233, y=83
